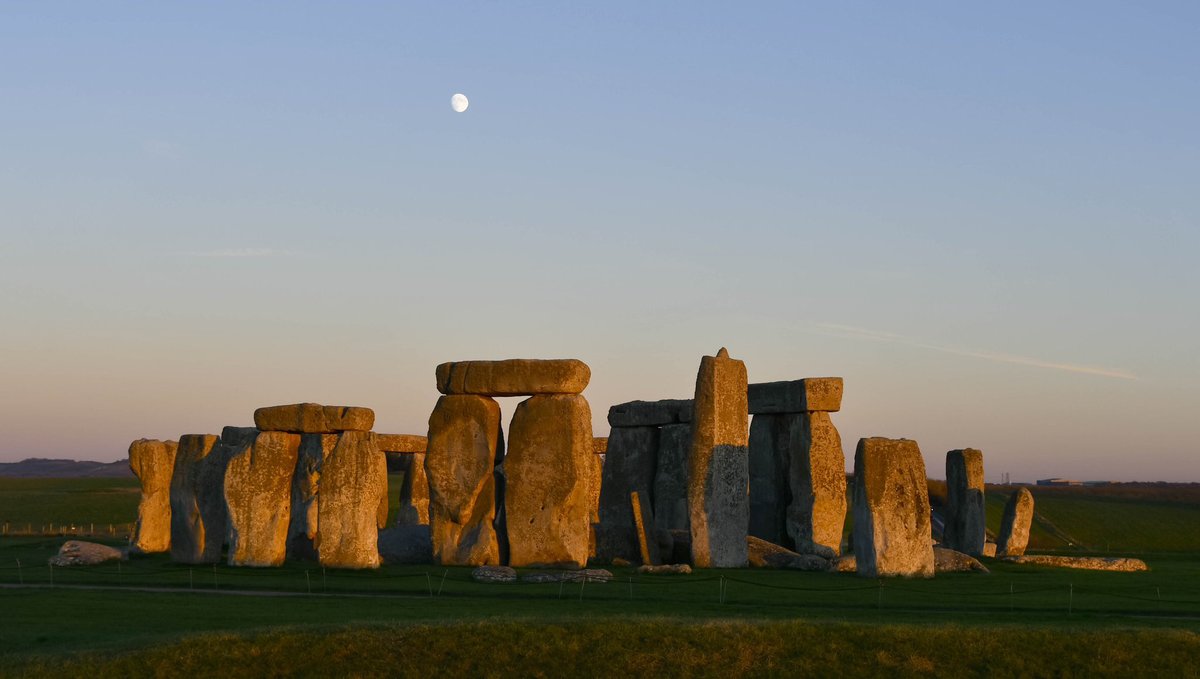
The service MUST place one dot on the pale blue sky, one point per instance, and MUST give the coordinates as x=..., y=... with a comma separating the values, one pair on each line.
x=986, y=218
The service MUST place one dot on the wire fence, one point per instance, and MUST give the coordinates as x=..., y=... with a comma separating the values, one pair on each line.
x=51, y=529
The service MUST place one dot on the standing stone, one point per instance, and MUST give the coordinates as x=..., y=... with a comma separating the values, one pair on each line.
x=817, y=473
x=670, y=477
x=965, y=522
x=770, y=486
x=642, y=522
x=258, y=496
x=718, y=468
x=513, y=377
x=464, y=443
x=1014, y=527
x=414, y=493
x=353, y=479
x=197, y=501
x=153, y=462
x=549, y=482
x=306, y=491
x=629, y=467
x=314, y=418
x=892, y=532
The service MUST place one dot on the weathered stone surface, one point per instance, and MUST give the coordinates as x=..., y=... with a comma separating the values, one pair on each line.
x=952, y=561
x=665, y=569
x=599, y=445
x=989, y=549
x=588, y=575
x=1015, y=523
x=80, y=553
x=816, y=516
x=770, y=488
x=153, y=462
x=464, y=445
x=402, y=443
x=845, y=563
x=643, y=522
x=353, y=481
x=1090, y=563
x=313, y=418
x=650, y=413
x=965, y=529
x=628, y=467
x=306, y=489
x=406, y=545
x=764, y=554
x=670, y=477
x=549, y=476
x=892, y=534
x=198, y=500
x=258, y=496
x=414, y=493
x=811, y=394
x=513, y=377
x=494, y=574
x=718, y=467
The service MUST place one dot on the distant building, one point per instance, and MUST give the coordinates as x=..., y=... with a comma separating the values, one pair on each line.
x=1059, y=482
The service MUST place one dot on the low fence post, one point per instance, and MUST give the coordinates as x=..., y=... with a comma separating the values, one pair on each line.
x=20, y=575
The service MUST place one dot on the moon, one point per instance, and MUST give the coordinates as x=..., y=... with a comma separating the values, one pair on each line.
x=459, y=103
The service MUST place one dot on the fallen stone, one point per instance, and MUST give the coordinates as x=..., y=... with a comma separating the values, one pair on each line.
x=464, y=445
x=670, y=477
x=198, y=514
x=414, y=493
x=965, y=530
x=650, y=413
x=845, y=563
x=401, y=443
x=549, y=477
x=816, y=516
x=763, y=554
x=513, y=377
x=1090, y=563
x=306, y=488
x=153, y=462
x=629, y=467
x=406, y=545
x=642, y=522
x=621, y=563
x=718, y=468
x=313, y=418
x=989, y=549
x=1015, y=524
x=588, y=575
x=353, y=481
x=665, y=569
x=80, y=553
x=258, y=495
x=951, y=561
x=892, y=534
x=811, y=394
x=770, y=489
x=494, y=574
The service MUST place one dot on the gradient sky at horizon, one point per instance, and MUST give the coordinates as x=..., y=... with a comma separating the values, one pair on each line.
x=986, y=218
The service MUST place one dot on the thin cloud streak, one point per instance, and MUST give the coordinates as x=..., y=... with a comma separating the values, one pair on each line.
x=245, y=253
x=852, y=332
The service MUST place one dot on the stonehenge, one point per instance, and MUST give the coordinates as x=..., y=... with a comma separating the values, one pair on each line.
x=197, y=504
x=258, y=497
x=965, y=521
x=352, y=484
x=153, y=462
x=1015, y=524
x=892, y=528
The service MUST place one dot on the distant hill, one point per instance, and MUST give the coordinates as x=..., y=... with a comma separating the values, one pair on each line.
x=37, y=467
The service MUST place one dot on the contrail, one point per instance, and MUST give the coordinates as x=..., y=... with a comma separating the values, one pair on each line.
x=851, y=332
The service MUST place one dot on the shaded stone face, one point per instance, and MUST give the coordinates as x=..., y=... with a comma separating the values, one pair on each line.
x=643, y=521
x=811, y=394
x=770, y=488
x=965, y=527
x=353, y=481
x=153, y=462
x=306, y=489
x=464, y=446
x=414, y=493
x=816, y=516
x=197, y=500
x=513, y=377
x=718, y=467
x=650, y=413
x=629, y=467
x=258, y=496
x=313, y=418
x=670, y=477
x=892, y=532
x=402, y=443
x=1014, y=526
x=549, y=477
